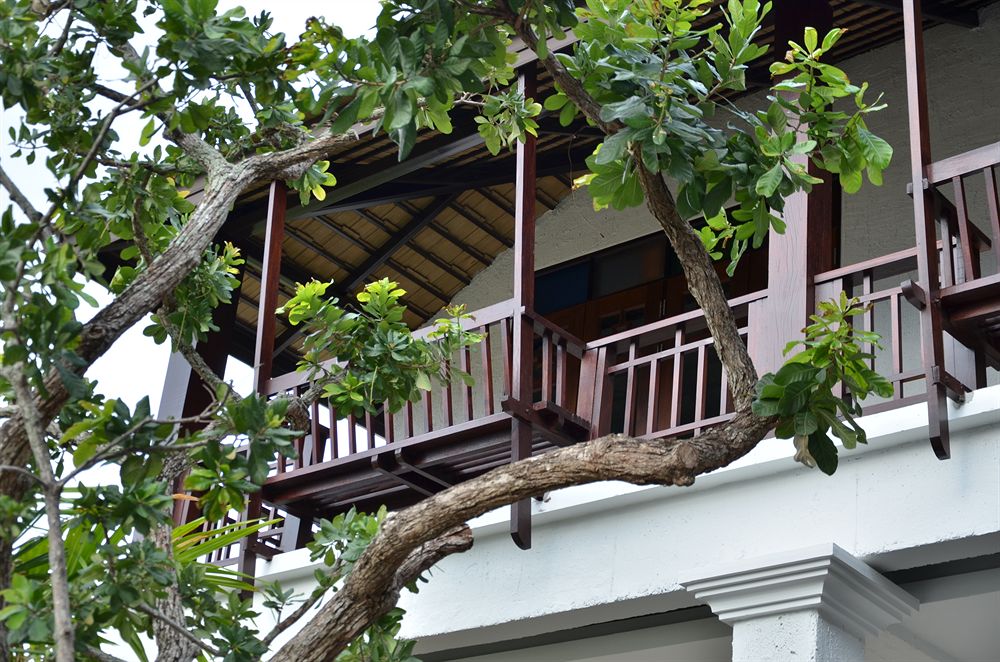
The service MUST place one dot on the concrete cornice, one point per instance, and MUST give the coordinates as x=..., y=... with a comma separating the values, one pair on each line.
x=825, y=578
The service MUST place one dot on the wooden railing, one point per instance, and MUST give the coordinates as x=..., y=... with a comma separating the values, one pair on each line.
x=970, y=177
x=876, y=283
x=664, y=378
x=332, y=437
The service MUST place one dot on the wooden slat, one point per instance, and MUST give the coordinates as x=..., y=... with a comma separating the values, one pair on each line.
x=486, y=353
x=968, y=251
x=653, y=408
x=993, y=209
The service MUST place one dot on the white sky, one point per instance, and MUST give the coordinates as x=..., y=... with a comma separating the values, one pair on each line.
x=135, y=366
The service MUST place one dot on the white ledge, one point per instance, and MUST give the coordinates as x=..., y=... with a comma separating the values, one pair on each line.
x=825, y=578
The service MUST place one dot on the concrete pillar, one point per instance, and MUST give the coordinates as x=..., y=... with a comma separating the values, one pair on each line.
x=815, y=605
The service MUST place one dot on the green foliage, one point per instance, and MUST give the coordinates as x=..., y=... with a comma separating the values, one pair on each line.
x=801, y=394
x=664, y=91
x=367, y=357
x=661, y=83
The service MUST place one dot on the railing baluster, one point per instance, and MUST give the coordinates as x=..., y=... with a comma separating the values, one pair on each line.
x=967, y=248
x=868, y=317
x=408, y=420
x=897, y=344
x=465, y=359
x=505, y=343
x=546, y=366
x=675, y=386
x=316, y=452
x=334, y=432
x=446, y=399
x=993, y=204
x=390, y=424
x=486, y=352
x=653, y=409
x=630, y=388
x=947, y=275
x=352, y=434
x=700, y=386
x=428, y=399
x=561, y=374
x=369, y=429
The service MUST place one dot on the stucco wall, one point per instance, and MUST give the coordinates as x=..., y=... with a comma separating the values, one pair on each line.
x=964, y=93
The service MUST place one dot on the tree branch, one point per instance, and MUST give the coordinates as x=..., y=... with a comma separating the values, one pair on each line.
x=699, y=270
x=19, y=198
x=703, y=283
x=362, y=599
x=180, y=629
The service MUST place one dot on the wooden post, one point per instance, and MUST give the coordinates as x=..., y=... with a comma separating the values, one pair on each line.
x=932, y=341
x=794, y=258
x=263, y=361
x=524, y=301
x=809, y=244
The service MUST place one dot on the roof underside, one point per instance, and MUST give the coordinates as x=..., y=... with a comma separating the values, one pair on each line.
x=437, y=219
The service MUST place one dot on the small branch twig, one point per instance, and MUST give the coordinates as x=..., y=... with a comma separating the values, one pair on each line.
x=19, y=198
x=98, y=139
x=335, y=572
x=181, y=630
x=23, y=472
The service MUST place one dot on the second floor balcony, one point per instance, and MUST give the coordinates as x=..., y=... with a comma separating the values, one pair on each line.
x=610, y=341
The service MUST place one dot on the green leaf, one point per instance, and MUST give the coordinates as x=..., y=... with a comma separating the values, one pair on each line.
x=423, y=381
x=805, y=424
x=876, y=150
x=769, y=181
x=824, y=452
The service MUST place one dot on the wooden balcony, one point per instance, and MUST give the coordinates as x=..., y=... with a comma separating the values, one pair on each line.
x=438, y=219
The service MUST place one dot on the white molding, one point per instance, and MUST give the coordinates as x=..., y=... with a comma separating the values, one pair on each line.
x=825, y=578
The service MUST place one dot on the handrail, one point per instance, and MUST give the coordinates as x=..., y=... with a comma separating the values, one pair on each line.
x=555, y=329
x=477, y=318
x=963, y=164
x=671, y=321
x=857, y=267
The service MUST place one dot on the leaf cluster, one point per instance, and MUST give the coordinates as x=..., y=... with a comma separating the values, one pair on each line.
x=802, y=394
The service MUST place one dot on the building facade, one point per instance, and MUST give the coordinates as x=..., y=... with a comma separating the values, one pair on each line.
x=591, y=330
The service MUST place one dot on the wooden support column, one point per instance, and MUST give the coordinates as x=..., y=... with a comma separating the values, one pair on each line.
x=812, y=235
x=807, y=247
x=931, y=336
x=524, y=300
x=263, y=361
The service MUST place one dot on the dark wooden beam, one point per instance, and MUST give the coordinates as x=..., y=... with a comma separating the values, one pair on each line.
x=476, y=254
x=315, y=247
x=932, y=11
x=524, y=299
x=481, y=223
x=496, y=200
x=422, y=281
x=460, y=276
x=425, y=182
x=421, y=219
